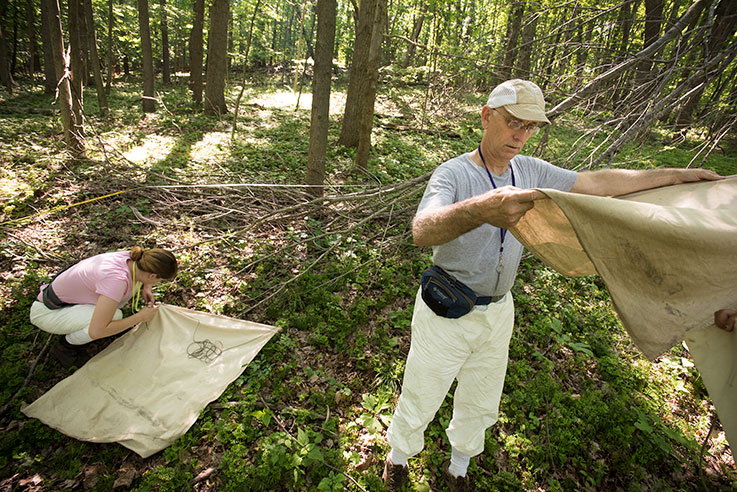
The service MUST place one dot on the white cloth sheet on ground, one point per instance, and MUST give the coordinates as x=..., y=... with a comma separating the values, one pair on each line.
x=144, y=390
x=668, y=257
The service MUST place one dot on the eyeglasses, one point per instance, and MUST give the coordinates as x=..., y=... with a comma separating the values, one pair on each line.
x=515, y=124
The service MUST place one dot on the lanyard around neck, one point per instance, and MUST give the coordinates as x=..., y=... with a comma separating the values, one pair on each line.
x=502, y=232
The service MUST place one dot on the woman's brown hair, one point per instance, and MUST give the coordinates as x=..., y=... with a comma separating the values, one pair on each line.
x=155, y=260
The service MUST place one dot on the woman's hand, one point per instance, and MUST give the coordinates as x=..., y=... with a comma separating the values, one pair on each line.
x=148, y=296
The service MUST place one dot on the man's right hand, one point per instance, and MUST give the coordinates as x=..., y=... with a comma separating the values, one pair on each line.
x=505, y=206
x=725, y=319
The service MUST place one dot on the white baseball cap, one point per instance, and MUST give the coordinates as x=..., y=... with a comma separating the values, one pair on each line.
x=521, y=98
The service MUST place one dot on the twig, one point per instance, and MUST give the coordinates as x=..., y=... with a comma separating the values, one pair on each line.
x=7, y=405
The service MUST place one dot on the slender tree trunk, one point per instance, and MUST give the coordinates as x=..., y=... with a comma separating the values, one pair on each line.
x=109, y=56
x=217, y=57
x=320, y=116
x=31, y=26
x=516, y=12
x=76, y=62
x=416, y=29
x=196, y=52
x=525, y=48
x=6, y=75
x=366, y=114
x=74, y=141
x=50, y=76
x=149, y=103
x=351, y=127
x=166, y=62
x=94, y=57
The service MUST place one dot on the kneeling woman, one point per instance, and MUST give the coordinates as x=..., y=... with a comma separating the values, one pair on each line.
x=83, y=302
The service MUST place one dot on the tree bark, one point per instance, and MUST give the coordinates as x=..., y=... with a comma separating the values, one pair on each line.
x=76, y=62
x=196, y=52
x=165, y=62
x=217, y=57
x=416, y=29
x=94, y=57
x=320, y=116
x=526, y=44
x=149, y=103
x=50, y=75
x=74, y=141
x=366, y=113
x=109, y=55
x=31, y=26
x=6, y=75
x=516, y=11
x=358, y=78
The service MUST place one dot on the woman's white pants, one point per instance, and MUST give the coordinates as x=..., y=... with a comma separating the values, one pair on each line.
x=472, y=349
x=72, y=320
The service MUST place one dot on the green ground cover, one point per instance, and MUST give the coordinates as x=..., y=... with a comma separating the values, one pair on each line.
x=582, y=408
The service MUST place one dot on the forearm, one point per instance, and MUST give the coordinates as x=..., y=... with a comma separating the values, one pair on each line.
x=441, y=225
x=113, y=327
x=615, y=182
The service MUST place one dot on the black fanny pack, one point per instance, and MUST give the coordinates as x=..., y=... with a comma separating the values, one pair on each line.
x=449, y=297
x=49, y=297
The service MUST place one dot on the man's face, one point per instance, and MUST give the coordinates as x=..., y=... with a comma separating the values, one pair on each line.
x=504, y=142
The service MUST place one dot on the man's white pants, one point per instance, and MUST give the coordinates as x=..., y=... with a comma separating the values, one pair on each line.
x=74, y=319
x=472, y=349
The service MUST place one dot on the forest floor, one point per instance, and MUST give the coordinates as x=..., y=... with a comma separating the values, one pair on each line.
x=582, y=408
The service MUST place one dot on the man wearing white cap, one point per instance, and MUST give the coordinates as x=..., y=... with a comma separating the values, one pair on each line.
x=464, y=314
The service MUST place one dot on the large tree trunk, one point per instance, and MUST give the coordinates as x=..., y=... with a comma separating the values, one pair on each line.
x=76, y=62
x=149, y=103
x=50, y=76
x=74, y=141
x=196, y=51
x=217, y=57
x=366, y=113
x=320, y=116
x=94, y=57
x=166, y=63
x=358, y=79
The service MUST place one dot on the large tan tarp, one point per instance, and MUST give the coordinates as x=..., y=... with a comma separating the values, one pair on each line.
x=668, y=257
x=145, y=389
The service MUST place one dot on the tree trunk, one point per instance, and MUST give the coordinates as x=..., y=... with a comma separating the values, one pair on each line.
x=416, y=29
x=94, y=57
x=722, y=29
x=516, y=11
x=149, y=103
x=320, y=116
x=366, y=113
x=525, y=48
x=196, y=52
x=357, y=83
x=31, y=26
x=76, y=62
x=217, y=57
x=6, y=76
x=166, y=62
x=50, y=76
x=74, y=141
x=109, y=55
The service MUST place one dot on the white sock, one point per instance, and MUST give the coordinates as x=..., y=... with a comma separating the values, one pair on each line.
x=79, y=337
x=458, y=463
x=397, y=458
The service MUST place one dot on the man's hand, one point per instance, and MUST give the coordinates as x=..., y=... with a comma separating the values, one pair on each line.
x=725, y=319
x=502, y=207
x=505, y=206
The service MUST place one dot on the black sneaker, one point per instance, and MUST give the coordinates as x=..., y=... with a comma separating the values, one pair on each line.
x=394, y=476
x=456, y=484
x=68, y=355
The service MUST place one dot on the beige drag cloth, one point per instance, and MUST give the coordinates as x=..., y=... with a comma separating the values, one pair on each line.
x=149, y=386
x=669, y=259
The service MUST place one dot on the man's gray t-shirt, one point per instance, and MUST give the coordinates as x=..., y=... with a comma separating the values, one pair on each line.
x=473, y=257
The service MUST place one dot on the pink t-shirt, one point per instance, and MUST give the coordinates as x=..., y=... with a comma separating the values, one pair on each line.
x=106, y=274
